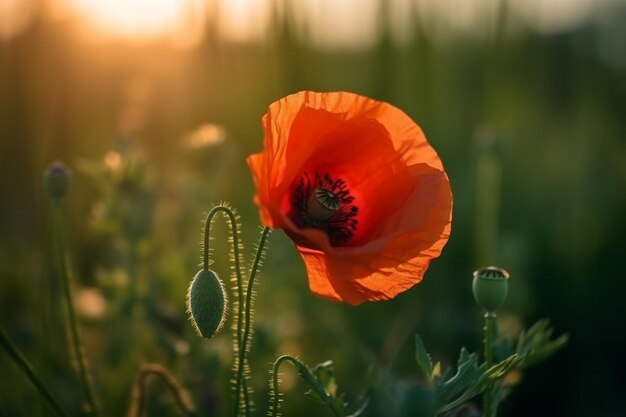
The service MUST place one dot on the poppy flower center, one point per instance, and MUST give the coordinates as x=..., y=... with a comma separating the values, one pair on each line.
x=322, y=204
x=325, y=203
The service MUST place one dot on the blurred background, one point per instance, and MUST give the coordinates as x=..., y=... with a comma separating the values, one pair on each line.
x=155, y=104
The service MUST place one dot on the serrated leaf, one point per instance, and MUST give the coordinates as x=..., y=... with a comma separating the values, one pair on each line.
x=482, y=378
x=467, y=373
x=500, y=369
x=424, y=361
x=536, y=344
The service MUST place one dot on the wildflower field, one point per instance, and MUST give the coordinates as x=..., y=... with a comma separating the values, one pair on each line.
x=377, y=208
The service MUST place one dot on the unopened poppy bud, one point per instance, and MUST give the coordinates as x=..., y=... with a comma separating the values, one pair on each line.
x=56, y=180
x=206, y=303
x=490, y=287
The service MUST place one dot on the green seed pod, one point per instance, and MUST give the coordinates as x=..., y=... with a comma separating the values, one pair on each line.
x=56, y=180
x=206, y=303
x=490, y=287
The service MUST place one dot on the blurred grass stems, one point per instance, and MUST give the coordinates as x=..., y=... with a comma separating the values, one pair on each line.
x=61, y=265
x=21, y=361
x=487, y=204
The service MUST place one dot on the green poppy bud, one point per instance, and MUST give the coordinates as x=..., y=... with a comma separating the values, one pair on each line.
x=56, y=180
x=206, y=303
x=490, y=287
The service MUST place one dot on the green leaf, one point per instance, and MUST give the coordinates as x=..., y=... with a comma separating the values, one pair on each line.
x=486, y=379
x=536, y=344
x=467, y=373
x=323, y=386
x=471, y=380
x=424, y=361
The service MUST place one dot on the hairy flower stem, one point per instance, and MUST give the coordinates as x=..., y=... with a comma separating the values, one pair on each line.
x=205, y=264
x=69, y=301
x=489, y=405
x=205, y=255
x=248, y=307
x=275, y=401
x=21, y=361
x=308, y=376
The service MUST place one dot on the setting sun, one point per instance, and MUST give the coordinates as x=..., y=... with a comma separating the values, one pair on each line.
x=138, y=19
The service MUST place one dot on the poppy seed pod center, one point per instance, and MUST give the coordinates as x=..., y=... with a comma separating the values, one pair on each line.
x=322, y=204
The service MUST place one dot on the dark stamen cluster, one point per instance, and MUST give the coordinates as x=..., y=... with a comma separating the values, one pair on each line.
x=341, y=225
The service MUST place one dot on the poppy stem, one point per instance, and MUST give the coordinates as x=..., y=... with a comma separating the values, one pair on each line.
x=489, y=405
x=21, y=361
x=309, y=377
x=232, y=219
x=248, y=322
x=59, y=254
x=179, y=393
x=275, y=401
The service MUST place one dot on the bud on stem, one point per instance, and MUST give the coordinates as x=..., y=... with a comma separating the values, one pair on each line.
x=56, y=180
x=490, y=287
x=206, y=303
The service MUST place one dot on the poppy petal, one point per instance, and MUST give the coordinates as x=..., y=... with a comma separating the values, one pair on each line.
x=392, y=203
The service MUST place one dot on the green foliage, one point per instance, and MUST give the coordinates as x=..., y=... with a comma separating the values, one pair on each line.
x=536, y=344
x=473, y=378
x=323, y=387
x=127, y=203
x=424, y=361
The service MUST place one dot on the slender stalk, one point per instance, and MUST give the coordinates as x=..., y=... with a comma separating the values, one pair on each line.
x=489, y=406
x=69, y=301
x=178, y=391
x=275, y=394
x=246, y=334
x=308, y=376
x=205, y=264
x=21, y=361
x=206, y=252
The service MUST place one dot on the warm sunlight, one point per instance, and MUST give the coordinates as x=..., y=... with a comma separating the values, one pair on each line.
x=138, y=19
x=14, y=17
x=243, y=20
x=325, y=23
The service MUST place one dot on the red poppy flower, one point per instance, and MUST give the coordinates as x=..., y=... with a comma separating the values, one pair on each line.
x=359, y=190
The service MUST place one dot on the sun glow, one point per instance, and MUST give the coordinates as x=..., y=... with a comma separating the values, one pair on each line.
x=140, y=20
x=324, y=23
